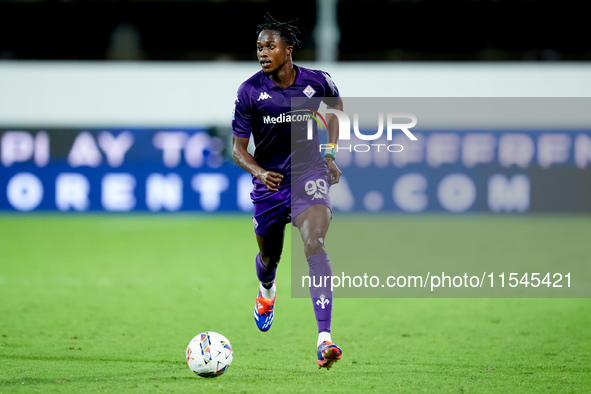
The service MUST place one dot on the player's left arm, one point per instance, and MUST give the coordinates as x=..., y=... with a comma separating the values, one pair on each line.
x=333, y=136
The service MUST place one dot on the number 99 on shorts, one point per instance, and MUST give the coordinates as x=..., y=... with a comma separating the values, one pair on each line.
x=317, y=188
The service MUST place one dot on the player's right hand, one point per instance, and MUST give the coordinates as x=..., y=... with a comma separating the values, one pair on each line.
x=270, y=179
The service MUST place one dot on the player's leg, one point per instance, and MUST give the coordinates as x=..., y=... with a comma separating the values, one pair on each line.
x=313, y=224
x=270, y=248
x=271, y=214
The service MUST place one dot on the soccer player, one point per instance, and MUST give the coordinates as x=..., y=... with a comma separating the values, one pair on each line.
x=290, y=175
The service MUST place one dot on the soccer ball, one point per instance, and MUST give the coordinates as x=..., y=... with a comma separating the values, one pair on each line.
x=209, y=354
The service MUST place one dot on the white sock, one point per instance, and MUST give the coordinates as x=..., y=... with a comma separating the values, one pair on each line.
x=323, y=336
x=268, y=294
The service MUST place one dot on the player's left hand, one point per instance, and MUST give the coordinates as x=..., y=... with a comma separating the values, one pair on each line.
x=333, y=171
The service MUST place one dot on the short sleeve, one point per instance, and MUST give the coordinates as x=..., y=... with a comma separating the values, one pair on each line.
x=331, y=90
x=242, y=115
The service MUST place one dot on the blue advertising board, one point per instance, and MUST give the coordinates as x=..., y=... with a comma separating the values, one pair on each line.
x=168, y=170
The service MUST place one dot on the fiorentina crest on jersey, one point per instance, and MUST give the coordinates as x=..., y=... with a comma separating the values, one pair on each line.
x=309, y=91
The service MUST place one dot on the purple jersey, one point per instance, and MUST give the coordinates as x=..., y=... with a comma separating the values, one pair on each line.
x=279, y=124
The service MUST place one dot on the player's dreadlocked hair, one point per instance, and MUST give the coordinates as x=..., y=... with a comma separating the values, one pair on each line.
x=287, y=30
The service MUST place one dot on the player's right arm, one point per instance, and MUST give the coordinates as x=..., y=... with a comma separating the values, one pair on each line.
x=245, y=160
x=242, y=126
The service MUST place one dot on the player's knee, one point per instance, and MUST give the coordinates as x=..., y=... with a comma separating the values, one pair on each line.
x=313, y=246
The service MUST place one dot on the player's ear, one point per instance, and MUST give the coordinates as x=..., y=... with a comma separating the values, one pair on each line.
x=289, y=49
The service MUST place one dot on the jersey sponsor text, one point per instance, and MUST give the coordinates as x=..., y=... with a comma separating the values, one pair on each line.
x=286, y=118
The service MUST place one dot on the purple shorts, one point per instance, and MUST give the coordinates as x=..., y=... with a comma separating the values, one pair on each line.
x=273, y=210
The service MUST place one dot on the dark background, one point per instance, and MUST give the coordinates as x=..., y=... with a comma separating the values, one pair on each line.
x=371, y=30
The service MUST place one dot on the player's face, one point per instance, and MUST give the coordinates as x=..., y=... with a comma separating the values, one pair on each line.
x=272, y=51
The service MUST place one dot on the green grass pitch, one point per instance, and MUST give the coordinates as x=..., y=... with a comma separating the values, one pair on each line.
x=109, y=304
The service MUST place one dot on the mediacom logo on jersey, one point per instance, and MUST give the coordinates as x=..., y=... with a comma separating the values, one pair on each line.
x=345, y=130
x=288, y=117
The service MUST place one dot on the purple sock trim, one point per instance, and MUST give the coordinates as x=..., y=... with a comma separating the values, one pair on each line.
x=264, y=274
x=320, y=292
x=317, y=259
x=320, y=272
x=323, y=313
